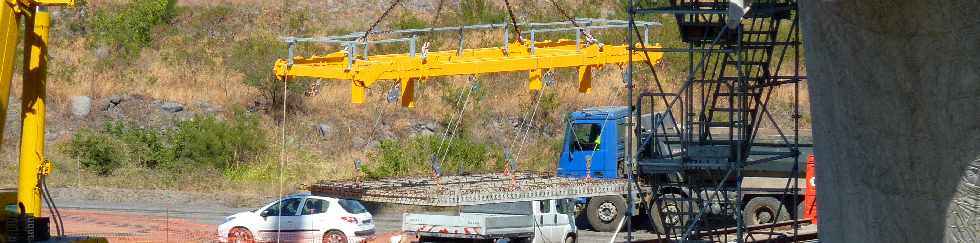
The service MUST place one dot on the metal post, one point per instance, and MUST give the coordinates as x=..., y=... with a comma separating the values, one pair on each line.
x=506, y=41
x=289, y=55
x=411, y=45
x=459, y=52
x=646, y=34
x=366, y=50
x=578, y=39
x=532, y=43
x=351, y=54
x=629, y=125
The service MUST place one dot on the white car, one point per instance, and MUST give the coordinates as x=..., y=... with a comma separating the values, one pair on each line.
x=302, y=218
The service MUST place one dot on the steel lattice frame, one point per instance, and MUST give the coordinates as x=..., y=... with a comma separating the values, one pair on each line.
x=718, y=109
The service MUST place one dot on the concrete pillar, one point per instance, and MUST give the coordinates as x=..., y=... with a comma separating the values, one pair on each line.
x=895, y=87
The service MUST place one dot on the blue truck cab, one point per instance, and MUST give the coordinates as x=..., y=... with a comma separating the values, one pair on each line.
x=594, y=143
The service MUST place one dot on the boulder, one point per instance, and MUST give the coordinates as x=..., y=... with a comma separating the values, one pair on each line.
x=324, y=130
x=172, y=107
x=81, y=105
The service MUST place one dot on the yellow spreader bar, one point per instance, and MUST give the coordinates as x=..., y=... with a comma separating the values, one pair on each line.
x=410, y=69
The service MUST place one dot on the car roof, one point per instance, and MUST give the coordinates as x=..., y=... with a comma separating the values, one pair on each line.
x=308, y=195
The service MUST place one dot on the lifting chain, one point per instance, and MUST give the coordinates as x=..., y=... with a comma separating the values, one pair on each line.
x=513, y=21
x=376, y=22
x=589, y=39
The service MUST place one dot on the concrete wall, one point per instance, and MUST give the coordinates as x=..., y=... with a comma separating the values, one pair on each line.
x=895, y=87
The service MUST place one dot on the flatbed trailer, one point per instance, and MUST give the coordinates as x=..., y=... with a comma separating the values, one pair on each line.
x=474, y=189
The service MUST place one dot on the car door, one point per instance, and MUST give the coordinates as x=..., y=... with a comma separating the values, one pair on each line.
x=281, y=221
x=544, y=221
x=314, y=218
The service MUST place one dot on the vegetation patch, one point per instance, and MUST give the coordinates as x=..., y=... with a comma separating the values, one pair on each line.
x=203, y=141
x=414, y=156
x=128, y=28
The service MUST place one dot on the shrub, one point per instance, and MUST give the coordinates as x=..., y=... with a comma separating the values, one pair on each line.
x=129, y=27
x=254, y=58
x=412, y=156
x=99, y=152
x=480, y=12
x=146, y=147
x=205, y=140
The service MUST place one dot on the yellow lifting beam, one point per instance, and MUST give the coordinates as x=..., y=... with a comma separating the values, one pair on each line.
x=409, y=68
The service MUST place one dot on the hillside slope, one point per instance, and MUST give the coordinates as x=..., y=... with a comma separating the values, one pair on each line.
x=139, y=60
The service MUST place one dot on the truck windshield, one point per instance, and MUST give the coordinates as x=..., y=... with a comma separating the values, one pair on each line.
x=352, y=206
x=584, y=136
x=514, y=208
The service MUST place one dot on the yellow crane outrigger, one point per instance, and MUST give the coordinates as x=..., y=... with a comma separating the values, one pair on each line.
x=410, y=68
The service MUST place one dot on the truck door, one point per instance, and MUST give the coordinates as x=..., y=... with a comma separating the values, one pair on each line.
x=583, y=150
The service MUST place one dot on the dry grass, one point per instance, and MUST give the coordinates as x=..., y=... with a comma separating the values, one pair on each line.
x=311, y=157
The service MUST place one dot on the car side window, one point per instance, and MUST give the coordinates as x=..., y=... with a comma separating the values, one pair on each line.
x=315, y=206
x=288, y=207
x=545, y=206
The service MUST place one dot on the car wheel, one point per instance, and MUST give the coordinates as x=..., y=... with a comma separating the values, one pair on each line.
x=240, y=235
x=570, y=239
x=334, y=236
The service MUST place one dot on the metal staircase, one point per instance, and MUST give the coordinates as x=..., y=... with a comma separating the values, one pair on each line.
x=733, y=70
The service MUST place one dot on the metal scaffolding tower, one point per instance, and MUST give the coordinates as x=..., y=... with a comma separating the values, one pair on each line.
x=706, y=132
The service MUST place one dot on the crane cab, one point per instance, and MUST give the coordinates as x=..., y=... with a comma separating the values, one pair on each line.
x=594, y=143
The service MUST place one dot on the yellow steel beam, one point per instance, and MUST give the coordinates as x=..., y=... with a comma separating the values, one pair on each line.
x=408, y=69
x=32, y=162
x=9, y=38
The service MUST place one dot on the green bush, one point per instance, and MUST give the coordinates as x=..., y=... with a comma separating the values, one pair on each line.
x=412, y=156
x=146, y=147
x=97, y=151
x=480, y=12
x=129, y=27
x=203, y=141
x=409, y=21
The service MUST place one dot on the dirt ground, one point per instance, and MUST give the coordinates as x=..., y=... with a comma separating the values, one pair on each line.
x=130, y=227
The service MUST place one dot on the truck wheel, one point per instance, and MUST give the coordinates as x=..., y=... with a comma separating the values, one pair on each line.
x=670, y=216
x=570, y=239
x=605, y=212
x=764, y=210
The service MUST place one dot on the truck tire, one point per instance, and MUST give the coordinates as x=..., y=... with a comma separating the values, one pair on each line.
x=675, y=224
x=605, y=212
x=764, y=210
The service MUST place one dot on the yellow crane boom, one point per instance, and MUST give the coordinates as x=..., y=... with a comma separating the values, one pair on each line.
x=410, y=68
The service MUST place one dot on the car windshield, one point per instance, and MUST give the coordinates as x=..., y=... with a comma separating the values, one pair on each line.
x=352, y=206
